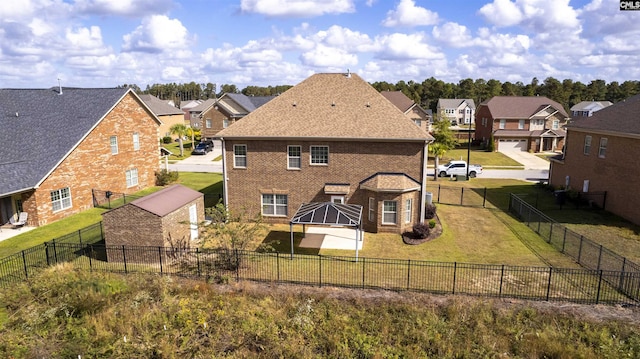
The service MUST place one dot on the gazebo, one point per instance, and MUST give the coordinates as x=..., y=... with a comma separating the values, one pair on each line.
x=328, y=214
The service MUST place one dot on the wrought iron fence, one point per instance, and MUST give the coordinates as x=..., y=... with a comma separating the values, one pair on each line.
x=109, y=199
x=584, y=251
x=536, y=283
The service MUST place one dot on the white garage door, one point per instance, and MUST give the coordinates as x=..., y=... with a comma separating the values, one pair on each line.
x=512, y=145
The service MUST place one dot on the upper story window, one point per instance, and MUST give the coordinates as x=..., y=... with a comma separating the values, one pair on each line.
x=503, y=123
x=207, y=123
x=484, y=121
x=521, y=125
x=587, y=144
x=319, y=155
x=418, y=123
x=389, y=212
x=113, y=142
x=132, y=177
x=294, y=157
x=136, y=141
x=556, y=124
x=61, y=199
x=602, y=151
x=240, y=156
x=225, y=123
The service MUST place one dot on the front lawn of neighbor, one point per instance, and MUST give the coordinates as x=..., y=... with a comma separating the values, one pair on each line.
x=478, y=156
x=174, y=147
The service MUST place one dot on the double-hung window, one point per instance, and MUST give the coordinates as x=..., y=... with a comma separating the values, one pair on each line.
x=587, y=144
x=61, y=199
x=274, y=204
x=602, y=151
x=113, y=142
x=555, y=124
x=521, y=125
x=389, y=212
x=136, y=141
x=240, y=156
x=408, y=209
x=132, y=177
x=294, y=157
x=207, y=123
x=502, y=125
x=319, y=155
x=372, y=209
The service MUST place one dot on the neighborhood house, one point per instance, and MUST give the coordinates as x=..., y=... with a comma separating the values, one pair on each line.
x=228, y=109
x=331, y=138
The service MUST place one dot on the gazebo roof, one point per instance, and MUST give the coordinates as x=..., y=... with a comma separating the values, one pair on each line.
x=328, y=213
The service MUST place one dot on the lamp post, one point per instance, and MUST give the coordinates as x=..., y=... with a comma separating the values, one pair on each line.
x=469, y=149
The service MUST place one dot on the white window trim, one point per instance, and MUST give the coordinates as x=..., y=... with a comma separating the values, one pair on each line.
x=311, y=155
x=61, y=200
x=274, y=205
x=207, y=123
x=339, y=198
x=113, y=145
x=289, y=157
x=129, y=177
x=372, y=209
x=521, y=124
x=408, y=210
x=602, y=149
x=587, y=145
x=384, y=212
x=502, y=124
x=236, y=157
x=555, y=124
x=136, y=141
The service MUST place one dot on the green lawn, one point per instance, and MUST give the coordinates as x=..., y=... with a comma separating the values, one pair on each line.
x=174, y=147
x=478, y=156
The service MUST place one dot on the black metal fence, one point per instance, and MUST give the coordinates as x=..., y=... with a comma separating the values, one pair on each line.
x=584, y=251
x=536, y=283
x=109, y=199
x=463, y=196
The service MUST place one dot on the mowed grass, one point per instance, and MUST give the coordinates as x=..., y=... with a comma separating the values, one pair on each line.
x=478, y=156
x=174, y=147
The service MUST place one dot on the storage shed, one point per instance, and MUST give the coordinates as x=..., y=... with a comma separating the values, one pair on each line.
x=167, y=218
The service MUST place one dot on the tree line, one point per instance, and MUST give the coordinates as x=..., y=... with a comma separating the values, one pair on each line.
x=426, y=93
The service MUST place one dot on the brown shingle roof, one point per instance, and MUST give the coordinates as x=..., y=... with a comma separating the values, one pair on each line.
x=328, y=106
x=159, y=107
x=167, y=200
x=520, y=106
x=400, y=100
x=620, y=117
x=390, y=182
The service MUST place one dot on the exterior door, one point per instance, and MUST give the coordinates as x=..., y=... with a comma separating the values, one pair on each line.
x=193, y=220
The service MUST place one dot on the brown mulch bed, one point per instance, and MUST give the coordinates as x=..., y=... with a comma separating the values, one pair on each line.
x=435, y=232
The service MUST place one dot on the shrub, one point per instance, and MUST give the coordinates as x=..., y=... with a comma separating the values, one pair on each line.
x=167, y=139
x=432, y=224
x=165, y=177
x=430, y=211
x=421, y=230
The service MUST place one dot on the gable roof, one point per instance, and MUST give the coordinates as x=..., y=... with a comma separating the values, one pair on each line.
x=328, y=106
x=203, y=105
x=455, y=102
x=40, y=128
x=590, y=105
x=249, y=103
x=167, y=200
x=621, y=117
x=520, y=107
x=159, y=107
x=400, y=100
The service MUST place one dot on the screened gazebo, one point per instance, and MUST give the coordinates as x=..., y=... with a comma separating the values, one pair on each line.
x=328, y=214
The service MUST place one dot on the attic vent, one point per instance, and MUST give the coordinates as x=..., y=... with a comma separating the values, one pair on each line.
x=368, y=104
x=294, y=104
x=59, y=87
x=333, y=104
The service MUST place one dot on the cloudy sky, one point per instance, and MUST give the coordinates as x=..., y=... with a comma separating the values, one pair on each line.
x=105, y=43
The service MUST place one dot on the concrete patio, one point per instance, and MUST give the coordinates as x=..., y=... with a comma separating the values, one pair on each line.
x=7, y=231
x=331, y=238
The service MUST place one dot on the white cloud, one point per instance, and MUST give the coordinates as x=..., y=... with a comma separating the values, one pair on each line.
x=297, y=8
x=452, y=34
x=324, y=56
x=534, y=15
x=87, y=38
x=157, y=34
x=501, y=13
x=343, y=38
x=405, y=46
x=129, y=8
x=410, y=15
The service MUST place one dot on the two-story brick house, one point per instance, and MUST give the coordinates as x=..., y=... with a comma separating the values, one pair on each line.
x=227, y=109
x=59, y=144
x=600, y=156
x=526, y=123
x=421, y=117
x=331, y=138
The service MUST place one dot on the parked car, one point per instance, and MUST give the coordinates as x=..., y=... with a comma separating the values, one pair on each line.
x=203, y=148
x=458, y=168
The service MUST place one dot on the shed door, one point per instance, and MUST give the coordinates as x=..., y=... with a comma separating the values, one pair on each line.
x=193, y=220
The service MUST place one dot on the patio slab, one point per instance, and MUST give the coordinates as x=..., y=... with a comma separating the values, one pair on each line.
x=331, y=238
x=7, y=232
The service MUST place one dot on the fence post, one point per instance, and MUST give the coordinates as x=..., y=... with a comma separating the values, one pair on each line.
x=550, y=232
x=484, y=197
x=90, y=257
x=455, y=269
x=24, y=262
x=599, y=285
x=101, y=232
x=580, y=249
x=80, y=236
x=564, y=239
x=549, y=283
x=124, y=259
x=198, y=261
x=320, y=270
x=600, y=257
x=501, y=279
x=363, y=272
x=278, y=266
x=621, y=284
x=237, y=265
x=46, y=252
x=55, y=251
x=461, y=195
x=408, y=272
x=160, y=256
x=438, y=192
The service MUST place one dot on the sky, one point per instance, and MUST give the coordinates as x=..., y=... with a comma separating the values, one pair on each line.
x=106, y=43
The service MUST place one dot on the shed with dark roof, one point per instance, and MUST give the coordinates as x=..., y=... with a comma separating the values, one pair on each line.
x=168, y=218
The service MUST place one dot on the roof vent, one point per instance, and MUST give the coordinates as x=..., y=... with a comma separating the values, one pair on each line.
x=59, y=87
x=16, y=113
x=294, y=104
x=348, y=73
x=368, y=104
x=333, y=104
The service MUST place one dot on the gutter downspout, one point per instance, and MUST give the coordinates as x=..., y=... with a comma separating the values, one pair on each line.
x=423, y=189
x=225, y=178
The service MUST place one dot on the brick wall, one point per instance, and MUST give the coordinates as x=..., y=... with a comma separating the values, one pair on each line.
x=616, y=173
x=217, y=119
x=91, y=165
x=349, y=162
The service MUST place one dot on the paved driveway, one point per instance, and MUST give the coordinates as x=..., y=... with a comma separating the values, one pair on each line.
x=199, y=163
x=529, y=160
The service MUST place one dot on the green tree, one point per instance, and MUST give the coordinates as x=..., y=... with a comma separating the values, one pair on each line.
x=179, y=129
x=444, y=139
x=438, y=151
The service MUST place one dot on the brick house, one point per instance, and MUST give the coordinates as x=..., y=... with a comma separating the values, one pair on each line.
x=457, y=111
x=227, y=109
x=331, y=138
x=196, y=111
x=167, y=218
x=59, y=144
x=600, y=155
x=421, y=117
x=167, y=114
x=526, y=123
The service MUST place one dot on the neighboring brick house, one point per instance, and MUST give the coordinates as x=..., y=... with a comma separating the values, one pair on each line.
x=196, y=111
x=167, y=218
x=526, y=123
x=601, y=154
x=186, y=106
x=334, y=138
x=421, y=117
x=229, y=108
x=59, y=144
x=167, y=114
x=587, y=108
x=457, y=111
